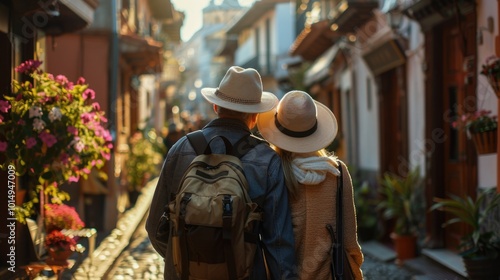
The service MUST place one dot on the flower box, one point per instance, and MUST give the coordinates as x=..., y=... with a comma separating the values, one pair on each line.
x=485, y=142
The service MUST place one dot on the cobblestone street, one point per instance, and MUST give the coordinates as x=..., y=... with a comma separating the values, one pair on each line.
x=140, y=261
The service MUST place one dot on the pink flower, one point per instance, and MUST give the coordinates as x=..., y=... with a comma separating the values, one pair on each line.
x=80, y=81
x=3, y=146
x=48, y=139
x=30, y=143
x=28, y=66
x=105, y=155
x=1, y=119
x=88, y=93
x=96, y=106
x=87, y=117
x=73, y=130
x=21, y=122
x=64, y=158
x=106, y=135
x=61, y=79
x=74, y=178
x=4, y=106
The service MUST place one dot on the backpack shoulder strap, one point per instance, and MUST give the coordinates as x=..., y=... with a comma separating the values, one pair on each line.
x=198, y=141
x=241, y=147
x=245, y=144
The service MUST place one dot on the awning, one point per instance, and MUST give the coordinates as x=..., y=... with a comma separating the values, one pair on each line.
x=253, y=14
x=386, y=56
x=430, y=12
x=63, y=16
x=321, y=67
x=143, y=55
x=314, y=40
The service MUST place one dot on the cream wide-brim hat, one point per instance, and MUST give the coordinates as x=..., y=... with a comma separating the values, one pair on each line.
x=298, y=124
x=241, y=90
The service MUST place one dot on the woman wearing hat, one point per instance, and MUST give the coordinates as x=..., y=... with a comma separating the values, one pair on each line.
x=300, y=128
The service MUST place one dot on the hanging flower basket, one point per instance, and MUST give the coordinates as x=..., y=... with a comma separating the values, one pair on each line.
x=495, y=84
x=491, y=70
x=485, y=142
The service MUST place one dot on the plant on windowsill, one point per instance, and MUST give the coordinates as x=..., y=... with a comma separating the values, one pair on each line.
x=52, y=131
x=481, y=127
x=481, y=246
x=402, y=199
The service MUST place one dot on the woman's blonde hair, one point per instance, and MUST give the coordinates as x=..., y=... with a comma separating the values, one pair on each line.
x=286, y=158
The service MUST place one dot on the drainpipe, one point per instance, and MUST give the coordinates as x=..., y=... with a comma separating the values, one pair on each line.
x=113, y=75
x=111, y=210
x=497, y=50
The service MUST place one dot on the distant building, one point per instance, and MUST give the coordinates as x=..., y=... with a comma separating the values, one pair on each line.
x=197, y=57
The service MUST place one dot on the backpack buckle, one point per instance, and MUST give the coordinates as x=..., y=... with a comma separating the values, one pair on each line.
x=227, y=206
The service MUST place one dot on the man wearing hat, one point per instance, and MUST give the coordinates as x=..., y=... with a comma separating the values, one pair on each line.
x=237, y=102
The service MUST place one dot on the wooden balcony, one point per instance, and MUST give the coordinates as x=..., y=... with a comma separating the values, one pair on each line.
x=349, y=15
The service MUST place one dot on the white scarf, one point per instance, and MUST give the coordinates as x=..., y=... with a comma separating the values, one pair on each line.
x=312, y=170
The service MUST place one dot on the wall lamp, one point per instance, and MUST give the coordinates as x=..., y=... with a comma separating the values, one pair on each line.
x=395, y=18
x=490, y=27
x=52, y=9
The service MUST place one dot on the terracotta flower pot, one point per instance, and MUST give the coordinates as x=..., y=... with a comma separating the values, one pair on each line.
x=405, y=246
x=58, y=256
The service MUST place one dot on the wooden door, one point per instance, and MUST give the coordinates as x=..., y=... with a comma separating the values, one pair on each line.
x=393, y=122
x=458, y=97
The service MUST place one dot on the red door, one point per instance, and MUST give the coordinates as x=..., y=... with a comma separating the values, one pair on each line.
x=458, y=91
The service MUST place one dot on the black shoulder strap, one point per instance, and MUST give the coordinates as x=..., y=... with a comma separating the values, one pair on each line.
x=340, y=225
x=245, y=144
x=198, y=141
x=240, y=148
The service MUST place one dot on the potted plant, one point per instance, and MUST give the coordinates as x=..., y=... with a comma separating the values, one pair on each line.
x=144, y=160
x=365, y=204
x=480, y=249
x=402, y=200
x=481, y=127
x=52, y=130
x=59, y=246
x=61, y=216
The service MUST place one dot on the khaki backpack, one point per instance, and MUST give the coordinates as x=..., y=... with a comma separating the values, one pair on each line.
x=212, y=216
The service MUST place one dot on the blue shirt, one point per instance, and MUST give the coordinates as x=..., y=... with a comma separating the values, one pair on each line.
x=264, y=173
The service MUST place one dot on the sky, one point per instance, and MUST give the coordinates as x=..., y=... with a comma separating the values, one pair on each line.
x=193, y=14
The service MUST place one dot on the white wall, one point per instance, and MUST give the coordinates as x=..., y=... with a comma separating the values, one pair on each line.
x=416, y=97
x=368, y=116
x=284, y=27
x=486, y=99
x=246, y=51
x=146, y=90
